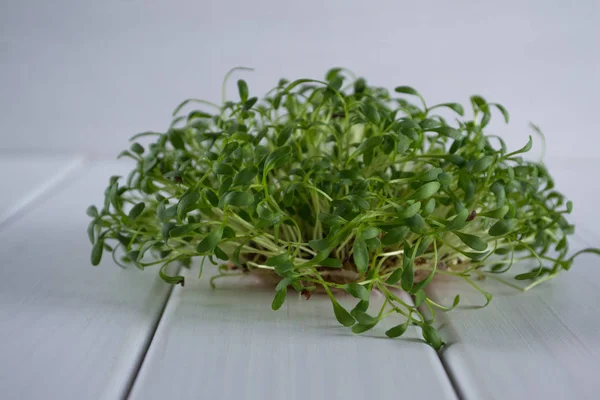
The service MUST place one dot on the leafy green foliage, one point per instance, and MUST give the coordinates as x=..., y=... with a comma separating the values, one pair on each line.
x=339, y=185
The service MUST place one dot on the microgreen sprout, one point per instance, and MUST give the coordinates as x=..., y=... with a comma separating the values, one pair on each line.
x=335, y=186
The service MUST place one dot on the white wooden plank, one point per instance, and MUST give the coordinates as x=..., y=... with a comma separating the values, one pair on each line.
x=69, y=330
x=228, y=343
x=25, y=178
x=541, y=344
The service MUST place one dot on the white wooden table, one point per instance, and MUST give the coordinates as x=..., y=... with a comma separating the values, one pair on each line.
x=72, y=331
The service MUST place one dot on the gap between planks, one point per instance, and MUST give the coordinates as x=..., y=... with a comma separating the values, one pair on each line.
x=51, y=187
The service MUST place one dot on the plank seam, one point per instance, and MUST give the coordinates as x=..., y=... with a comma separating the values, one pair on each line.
x=146, y=346
x=453, y=380
x=49, y=189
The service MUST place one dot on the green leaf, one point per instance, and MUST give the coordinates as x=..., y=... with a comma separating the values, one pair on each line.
x=445, y=179
x=394, y=277
x=211, y=197
x=114, y=196
x=181, y=230
x=448, y=131
x=245, y=176
x=373, y=244
x=410, y=210
x=503, y=111
x=408, y=275
x=142, y=134
x=210, y=241
x=92, y=211
x=332, y=74
x=456, y=160
x=238, y=199
x=187, y=203
x=523, y=149
x=160, y=210
x=395, y=235
x=397, y=330
x=224, y=169
x=91, y=230
x=453, y=106
x=429, y=123
x=360, y=306
x=424, y=245
x=176, y=139
x=371, y=113
x=279, y=299
x=408, y=123
x=166, y=229
x=472, y=241
x=251, y=101
x=330, y=219
x=229, y=148
x=277, y=260
x=497, y=213
x=276, y=157
x=407, y=90
x=370, y=233
x=96, y=255
x=459, y=221
x=483, y=163
x=171, y=212
x=320, y=244
x=367, y=145
x=485, y=120
x=364, y=318
x=502, y=227
x=221, y=255
x=149, y=164
x=403, y=143
x=419, y=297
x=426, y=191
x=264, y=211
x=356, y=290
x=416, y=223
x=285, y=269
x=136, y=210
x=360, y=255
x=429, y=208
x=431, y=336
x=284, y=283
x=341, y=314
x=527, y=275
x=137, y=148
x=479, y=102
x=331, y=263
x=430, y=175
x=285, y=134
x=243, y=90
x=360, y=328
x=197, y=114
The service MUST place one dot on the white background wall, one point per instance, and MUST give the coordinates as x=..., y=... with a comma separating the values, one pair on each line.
x=86, y=75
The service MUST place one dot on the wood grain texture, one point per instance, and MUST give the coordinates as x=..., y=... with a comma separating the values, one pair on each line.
x=228, y=344
x=69, y=330
x=25, y=178
x=544, y=343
